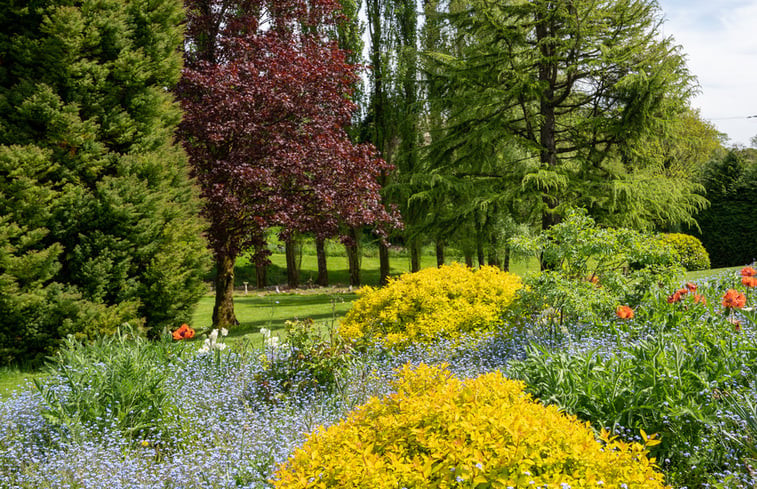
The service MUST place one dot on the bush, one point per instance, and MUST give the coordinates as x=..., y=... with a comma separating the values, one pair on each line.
x=444, y=301
x=726, y=230
x=687, y=250
x=440, y=431
x=591, y=270
x=306, y=362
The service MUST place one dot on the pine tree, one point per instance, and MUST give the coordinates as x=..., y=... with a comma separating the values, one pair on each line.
x=87, y=123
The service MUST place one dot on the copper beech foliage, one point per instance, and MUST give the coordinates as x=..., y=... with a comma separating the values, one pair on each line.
x=265, y=91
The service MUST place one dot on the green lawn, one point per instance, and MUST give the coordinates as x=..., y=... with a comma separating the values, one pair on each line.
x=271, y=310
x=12, y=378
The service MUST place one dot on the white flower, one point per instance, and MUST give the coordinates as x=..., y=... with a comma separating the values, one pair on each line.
x=265, y=332
x=224, y=332
x=213, y=336
x=272, y=341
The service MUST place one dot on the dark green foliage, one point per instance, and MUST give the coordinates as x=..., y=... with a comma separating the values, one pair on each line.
x=98, y=212
x=729, y=225
x=688, y=251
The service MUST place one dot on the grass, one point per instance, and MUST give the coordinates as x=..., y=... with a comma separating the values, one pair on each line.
x=11, y=379
x=271, y=310
x=700, y=274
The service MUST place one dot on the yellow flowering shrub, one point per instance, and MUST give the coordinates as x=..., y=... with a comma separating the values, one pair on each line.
x=442, y=432
x=445, y=301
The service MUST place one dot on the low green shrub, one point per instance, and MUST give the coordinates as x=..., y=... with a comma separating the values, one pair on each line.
x=688, y=251
x=307, y=361
x=439, y=431
x=444, y=301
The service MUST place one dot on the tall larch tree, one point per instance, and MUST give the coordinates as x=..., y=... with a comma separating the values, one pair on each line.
x=100, y=219
x=266, y=96
x=574, y=85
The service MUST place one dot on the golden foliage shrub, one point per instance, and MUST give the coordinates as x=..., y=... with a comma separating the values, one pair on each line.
x=445, y=301
x=443, y=432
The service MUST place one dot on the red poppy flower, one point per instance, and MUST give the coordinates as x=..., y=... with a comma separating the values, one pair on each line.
x=183, y=333
x=624, y=312
x=748, y=272
x=733, y=299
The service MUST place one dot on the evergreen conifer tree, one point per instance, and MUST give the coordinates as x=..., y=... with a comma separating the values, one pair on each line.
x=98, y=213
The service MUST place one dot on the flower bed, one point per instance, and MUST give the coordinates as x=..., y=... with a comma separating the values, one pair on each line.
x=682, y=369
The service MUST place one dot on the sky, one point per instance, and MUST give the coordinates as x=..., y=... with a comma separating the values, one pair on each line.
x=719, y=38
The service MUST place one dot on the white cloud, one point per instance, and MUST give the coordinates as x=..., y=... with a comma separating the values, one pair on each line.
x=721, y=43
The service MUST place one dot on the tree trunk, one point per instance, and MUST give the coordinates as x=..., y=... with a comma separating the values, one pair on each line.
x=383, y=263
x=223, y=310
x=506, y=260
x=480, y=253
x=493, y=258
x=323, y=273
x=293, y=272
x=261, y=275
x=469, y=259
x=260, y=259
x=353, y=258
x=415, y=256
x=439, y=252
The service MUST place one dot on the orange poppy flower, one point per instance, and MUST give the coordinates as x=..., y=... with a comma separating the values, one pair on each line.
x=184, y=332
x=700, y=299
x=733, y=299
x=624, y=312
x=749, y=281
x=691, y=286
x=748, y=272
x=678, y=295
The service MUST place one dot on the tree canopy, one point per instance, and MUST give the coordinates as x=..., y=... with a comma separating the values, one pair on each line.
x=266, y=97
x=561, y=93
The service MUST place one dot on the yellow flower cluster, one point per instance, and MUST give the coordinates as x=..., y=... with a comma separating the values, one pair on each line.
x=445, y=301
x=443, y=432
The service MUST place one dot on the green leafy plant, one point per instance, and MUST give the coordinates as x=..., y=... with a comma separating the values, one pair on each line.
x=589, y=270
x=308, y=360
x=666, y=384
x=115, y=382
x=688, y=251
